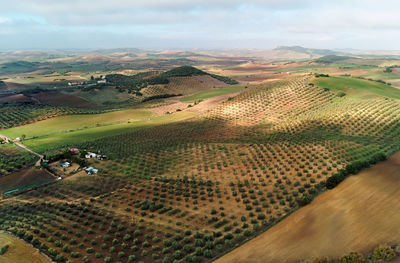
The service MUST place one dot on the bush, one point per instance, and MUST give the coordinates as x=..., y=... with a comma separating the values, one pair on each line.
x=353, y=257
x=384, y=252
x=304, y=200
x=3, y=250
x=131, y=258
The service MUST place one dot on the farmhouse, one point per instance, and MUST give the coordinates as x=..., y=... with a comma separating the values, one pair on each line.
x=90, y=155
x=102, y=81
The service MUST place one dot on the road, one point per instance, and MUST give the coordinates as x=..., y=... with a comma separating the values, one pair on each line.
x=20, y=145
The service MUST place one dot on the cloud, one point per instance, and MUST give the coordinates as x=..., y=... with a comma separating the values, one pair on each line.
x=198, y=23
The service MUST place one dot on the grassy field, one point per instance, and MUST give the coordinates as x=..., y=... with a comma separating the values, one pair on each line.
x=74, y=122
x=358, y=87
x=212, y=93
x=358, y=215
x=19, y=251
x=55, y=140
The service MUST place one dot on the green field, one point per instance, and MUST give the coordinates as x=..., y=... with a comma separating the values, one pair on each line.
x=212, y=93
x=358, y=87
x=55, y=140
x=75, y=122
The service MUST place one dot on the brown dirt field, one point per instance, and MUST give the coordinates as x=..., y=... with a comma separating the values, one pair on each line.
x=22, y=178
x=14, y=98
x=59, y=99
x=358, y=215
x=203, y=106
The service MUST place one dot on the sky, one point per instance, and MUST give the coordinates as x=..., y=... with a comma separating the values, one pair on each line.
x=199, y=24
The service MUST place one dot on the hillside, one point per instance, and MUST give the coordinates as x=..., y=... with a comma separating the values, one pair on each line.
x=193, y=186
x=180, y=80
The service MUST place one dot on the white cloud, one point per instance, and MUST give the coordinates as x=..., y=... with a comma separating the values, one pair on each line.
x=229, y=23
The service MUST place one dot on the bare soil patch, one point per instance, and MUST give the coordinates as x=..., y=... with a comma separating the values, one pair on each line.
x=59, y=99
x=23, y=178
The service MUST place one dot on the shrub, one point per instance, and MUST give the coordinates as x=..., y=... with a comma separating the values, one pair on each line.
x=131, y=258
x=384, y=252
x=353, y=257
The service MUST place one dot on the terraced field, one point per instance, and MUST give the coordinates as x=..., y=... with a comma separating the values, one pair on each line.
x=194, y=188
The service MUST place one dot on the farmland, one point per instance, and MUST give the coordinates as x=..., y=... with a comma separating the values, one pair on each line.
x=272, y=165
x=12, y=159
x=75, y=122
x=211, y=93
x=19, y=251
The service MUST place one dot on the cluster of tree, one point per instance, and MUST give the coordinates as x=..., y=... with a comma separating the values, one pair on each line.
x=376, y=80
x=320, y=75
x=69, y=156
x=353, y=168
x=29, y=92
x=3, y=250
x=142, y=80
x=331, y=59
x=161, y=96
x=2, y=84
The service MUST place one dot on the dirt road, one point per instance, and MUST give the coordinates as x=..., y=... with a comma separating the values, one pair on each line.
x=20, y=145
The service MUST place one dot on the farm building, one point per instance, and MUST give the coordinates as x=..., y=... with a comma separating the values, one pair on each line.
x=91, y=171
x=102, y=81
x=101, y=157
x=90, y=155
x=75, y=83
x=74, y=150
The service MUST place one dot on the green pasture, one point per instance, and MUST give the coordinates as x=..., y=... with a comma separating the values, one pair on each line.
x=56, y=140
x=357, y=87
x=212, y=93
x=74, y=122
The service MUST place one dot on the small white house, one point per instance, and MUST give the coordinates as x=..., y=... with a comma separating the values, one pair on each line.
x=90, y=155
x=102, y=81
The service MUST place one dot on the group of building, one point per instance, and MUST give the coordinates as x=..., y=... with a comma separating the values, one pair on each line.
x=88, y=155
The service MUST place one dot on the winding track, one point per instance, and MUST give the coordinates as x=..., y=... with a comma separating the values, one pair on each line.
x=20, y=145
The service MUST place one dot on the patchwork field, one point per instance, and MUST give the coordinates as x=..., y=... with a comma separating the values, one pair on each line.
x=190, y=187
x=255, y=164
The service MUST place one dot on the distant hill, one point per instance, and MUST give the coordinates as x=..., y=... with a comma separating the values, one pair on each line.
x=310, y=51
x=331, y=59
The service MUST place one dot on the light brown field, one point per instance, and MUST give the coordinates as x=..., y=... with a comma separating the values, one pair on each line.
x=358, y=215
x=19, y=251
